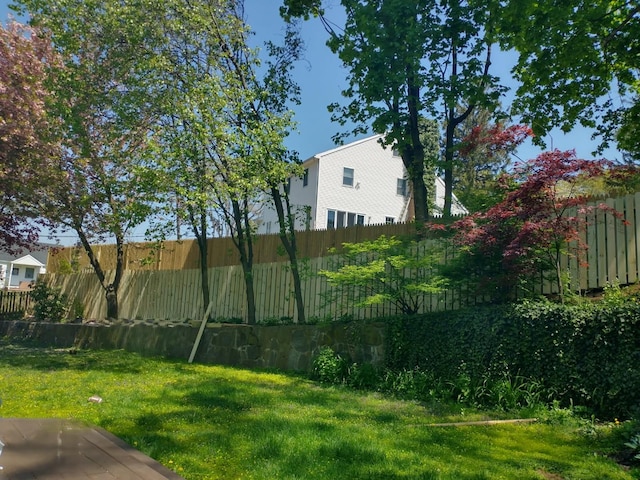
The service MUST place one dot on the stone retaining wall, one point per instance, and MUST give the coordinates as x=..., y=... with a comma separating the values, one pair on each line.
x=285, y=347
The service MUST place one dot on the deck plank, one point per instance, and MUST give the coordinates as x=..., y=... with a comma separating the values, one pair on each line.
x=54, y=449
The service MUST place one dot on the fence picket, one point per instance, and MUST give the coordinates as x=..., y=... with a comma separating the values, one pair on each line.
x=153, y=291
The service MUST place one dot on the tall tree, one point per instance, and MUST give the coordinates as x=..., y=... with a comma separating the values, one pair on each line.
x=193, y=126
x=281, y=91
x=408, y=59
x=101, y=97
x=28, y=147
x=223, y=125
x=575, y=58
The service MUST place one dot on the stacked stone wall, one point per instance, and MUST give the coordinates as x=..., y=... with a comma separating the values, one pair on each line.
x=283, y=347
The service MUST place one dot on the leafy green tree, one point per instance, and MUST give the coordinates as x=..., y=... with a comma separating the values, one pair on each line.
x=100, y=95
x=575, y=56
x=193, y=127
x=282, y=90
x=385, y=270
x=408, y=59
x=223, y=124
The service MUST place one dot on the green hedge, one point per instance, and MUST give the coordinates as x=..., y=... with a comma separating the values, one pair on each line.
x=586, y=354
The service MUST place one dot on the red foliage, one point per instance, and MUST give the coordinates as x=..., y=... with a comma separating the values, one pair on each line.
x=530, y=227
x=24, y=146
x=495, y=139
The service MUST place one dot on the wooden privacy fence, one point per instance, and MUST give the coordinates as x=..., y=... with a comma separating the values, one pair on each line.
x=184, y=254
x=614, y=250
x=14, y=302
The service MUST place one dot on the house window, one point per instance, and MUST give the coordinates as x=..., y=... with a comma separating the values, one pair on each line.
x=305, y=177
x=389, y=220
x=29, y=273
x=338, y=219
x=331, y=219
x=268, y=227
x=15, y=271
x=396, y=152
x=401, y=188
x=287, y=186
x=347, y=177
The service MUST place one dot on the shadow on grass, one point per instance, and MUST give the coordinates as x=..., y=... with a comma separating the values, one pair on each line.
x=47, y=359
x=302, y=431
x=218, y=422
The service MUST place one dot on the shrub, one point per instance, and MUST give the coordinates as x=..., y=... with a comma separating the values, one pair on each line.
x=533, y=352
x=391, y=270
x=329, y=367
x=49, y=303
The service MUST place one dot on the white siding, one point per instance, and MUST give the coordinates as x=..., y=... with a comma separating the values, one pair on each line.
x=376, y=171
x=300, y=196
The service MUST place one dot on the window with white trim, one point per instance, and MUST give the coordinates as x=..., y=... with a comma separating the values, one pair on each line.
x=389, y=220
x=305, y=177
x=347, y=177
x=29, y=273
x=340, y=219
x=331, y=219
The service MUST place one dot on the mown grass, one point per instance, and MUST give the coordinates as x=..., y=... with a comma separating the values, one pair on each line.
x=211, y=422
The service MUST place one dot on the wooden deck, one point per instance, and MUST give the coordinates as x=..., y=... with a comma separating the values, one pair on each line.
x=54, y=449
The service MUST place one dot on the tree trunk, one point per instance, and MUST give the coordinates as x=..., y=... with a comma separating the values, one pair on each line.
x=111, y=290
x=112, y=302
x=448, y=166
x=198, y=222
x=204, y=260
x=288, y=238
x=244, y=244
x=413, y=156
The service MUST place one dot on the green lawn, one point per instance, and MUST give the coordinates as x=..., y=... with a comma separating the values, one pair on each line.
x=210, y=422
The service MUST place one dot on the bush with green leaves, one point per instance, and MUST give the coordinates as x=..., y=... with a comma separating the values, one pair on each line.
x=386, y=270
x=329, y=367
x=49, y=303
x=536, y=351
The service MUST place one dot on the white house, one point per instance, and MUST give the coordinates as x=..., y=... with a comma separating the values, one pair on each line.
x=360, y=183
x=22, y=269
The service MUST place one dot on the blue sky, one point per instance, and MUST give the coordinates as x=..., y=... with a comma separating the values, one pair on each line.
x=321, y=79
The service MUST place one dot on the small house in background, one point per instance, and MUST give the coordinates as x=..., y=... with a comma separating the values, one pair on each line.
x=361, y=183
x=19, y=271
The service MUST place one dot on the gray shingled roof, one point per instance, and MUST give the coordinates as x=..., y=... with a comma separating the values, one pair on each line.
x=39, y=252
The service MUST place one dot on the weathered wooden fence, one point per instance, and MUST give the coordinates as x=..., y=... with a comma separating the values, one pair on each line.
x=614, y=250
x=14, y=302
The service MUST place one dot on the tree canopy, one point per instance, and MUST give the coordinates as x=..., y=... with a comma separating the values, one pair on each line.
x=412, y=59
x=28, y=143
x=578, y=62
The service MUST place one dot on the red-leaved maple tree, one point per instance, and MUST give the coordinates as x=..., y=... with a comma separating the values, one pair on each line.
x=542, y=213
x=495, y=139
x=26, y=144
x=485, y=152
